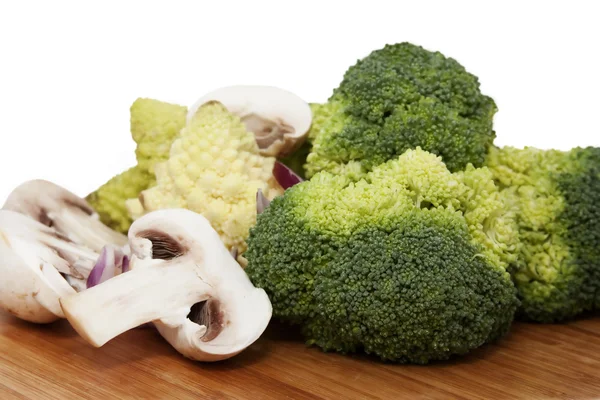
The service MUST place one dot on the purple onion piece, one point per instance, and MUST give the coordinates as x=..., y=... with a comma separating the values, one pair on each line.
x=109, y=264
x=125, y=264
x=112, y=262
x=261, y=202
x=96, y=273
x=285, y=176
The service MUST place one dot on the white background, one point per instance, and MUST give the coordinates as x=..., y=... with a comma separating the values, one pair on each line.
x=70, y=70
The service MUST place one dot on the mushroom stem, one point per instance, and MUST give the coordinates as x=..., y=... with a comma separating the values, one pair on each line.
x=105, y=311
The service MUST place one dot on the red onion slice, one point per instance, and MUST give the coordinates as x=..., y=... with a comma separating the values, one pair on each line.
x=111, y=262
x=285, y=176
x=261, y=202
x=125, y=264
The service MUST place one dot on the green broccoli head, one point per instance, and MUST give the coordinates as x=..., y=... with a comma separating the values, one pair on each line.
x=398, y=98
x=402, y=263
x=557, y=195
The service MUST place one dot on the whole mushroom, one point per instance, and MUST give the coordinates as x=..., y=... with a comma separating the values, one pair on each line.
x=183, y=279
x=279, y=119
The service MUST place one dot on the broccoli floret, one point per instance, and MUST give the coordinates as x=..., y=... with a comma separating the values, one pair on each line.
x=402, y=263
x=397, y=98
x=557, y=197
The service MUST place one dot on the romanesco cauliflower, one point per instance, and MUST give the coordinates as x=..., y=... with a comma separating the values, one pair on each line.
x=215, y=169
x=109, y=199
x=154, y=126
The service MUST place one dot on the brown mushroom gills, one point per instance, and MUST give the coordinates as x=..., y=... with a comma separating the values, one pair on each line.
x=164, y=247
x=267, y=131
x=209, y=314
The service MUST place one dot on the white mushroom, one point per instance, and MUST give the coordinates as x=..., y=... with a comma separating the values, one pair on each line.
x=51, y=242
x=34, y=261
x=279, y=119
x=67, y=213
x=184, y=280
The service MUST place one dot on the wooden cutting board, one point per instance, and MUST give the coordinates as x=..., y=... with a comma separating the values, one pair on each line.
x=533, y=362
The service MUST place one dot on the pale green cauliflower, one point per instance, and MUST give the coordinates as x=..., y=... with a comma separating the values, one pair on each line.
x=154, y=126
x=215, y=169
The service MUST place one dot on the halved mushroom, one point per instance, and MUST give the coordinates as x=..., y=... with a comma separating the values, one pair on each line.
x=52, y=240
x=279, y=119
x=67, y=213
x=183, y=279
x=35, y=264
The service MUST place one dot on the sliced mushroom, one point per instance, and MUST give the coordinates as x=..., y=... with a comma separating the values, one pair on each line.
x=67, y=213
x=35, y=264
x=52, y=241
x=279, y=119
x=183, y=279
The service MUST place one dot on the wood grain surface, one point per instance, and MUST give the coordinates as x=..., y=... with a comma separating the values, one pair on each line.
x=533, y=362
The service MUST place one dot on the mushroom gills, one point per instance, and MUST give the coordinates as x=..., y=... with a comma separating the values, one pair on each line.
x=208, y=313
x=164, y=247
x=279, y=119
x=267, y=131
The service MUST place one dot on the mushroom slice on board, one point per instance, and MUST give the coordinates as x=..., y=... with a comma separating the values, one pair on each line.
x=183, y=279
x=38, y=266
x=67, y=213
x=279, y=119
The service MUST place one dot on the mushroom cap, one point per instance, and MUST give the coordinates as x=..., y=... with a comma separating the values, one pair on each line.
x=279, y=119
x=184, y=280
x=70, y=215
x=30, y=258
